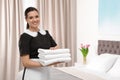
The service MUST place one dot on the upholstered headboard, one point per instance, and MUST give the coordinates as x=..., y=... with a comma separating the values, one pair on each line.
x=107, y=46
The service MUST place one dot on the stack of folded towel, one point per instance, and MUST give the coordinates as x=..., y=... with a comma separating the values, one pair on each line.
x=47, y=56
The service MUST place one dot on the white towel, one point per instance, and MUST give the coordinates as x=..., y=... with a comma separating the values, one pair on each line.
x=56, y=51
x=49, y=56
x=48, y=62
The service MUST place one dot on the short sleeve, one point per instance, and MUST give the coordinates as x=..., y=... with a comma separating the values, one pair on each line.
x=53, y=43
x=24, y=44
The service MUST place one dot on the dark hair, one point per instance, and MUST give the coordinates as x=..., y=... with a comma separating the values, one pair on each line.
x=29, y=9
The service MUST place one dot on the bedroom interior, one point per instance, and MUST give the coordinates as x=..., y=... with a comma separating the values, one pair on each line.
x=87, y=19
x=100, y=43
x=103, y=60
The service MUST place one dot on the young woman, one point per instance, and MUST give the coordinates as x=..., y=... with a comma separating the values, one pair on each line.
x=32, y=39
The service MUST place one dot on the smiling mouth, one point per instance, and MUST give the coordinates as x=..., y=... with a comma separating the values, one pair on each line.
x=35, y=23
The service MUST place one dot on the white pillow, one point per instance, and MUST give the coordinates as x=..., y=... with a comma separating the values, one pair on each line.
x=115, y=70
x=102, y=63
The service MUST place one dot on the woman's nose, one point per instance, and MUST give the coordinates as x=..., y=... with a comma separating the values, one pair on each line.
x=34, y=19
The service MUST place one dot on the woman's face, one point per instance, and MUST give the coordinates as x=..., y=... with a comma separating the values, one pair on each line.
x=33, y=19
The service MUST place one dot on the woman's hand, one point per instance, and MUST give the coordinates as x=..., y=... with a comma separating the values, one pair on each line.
x=54, y=63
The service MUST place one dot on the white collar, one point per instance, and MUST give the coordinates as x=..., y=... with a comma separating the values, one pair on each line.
x=42, y=31
x=34, y=34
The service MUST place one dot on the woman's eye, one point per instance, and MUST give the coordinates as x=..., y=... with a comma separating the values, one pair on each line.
x=30, y=17
x=37, y=16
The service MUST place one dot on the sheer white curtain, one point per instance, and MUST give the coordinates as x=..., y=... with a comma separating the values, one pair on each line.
x=10, y=22
x=59, y=17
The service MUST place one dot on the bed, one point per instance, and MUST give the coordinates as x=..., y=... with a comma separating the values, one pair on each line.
x=107, y=46
x=105, y=66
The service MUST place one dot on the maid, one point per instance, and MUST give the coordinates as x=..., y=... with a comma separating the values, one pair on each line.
x=32, y=39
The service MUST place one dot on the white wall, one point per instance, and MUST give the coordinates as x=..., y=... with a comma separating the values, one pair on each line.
x=87, y=26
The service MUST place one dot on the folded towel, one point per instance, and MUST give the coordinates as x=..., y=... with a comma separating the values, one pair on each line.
x=49, y=56
x=48, y=51
x=48, y=62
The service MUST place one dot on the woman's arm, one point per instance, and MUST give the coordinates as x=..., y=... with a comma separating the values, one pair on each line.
x=27, y=62
x=30, y=63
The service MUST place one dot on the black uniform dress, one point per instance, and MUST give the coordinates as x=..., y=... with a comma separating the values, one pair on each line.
x=28, y=44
